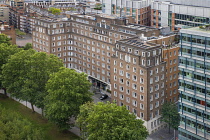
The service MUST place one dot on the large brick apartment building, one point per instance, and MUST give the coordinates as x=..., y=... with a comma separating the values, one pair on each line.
x=116, y=55
x=170, y=52
x=138, y=79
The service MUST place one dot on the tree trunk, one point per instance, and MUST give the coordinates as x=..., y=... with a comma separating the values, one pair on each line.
x=32, y=107
x=42, y=112
x=169, y=125
x=169, y=129
x=5, y=91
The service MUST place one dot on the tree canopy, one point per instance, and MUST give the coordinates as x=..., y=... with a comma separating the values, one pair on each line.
x=5, y=39
x=98, y=6
x=26, y=73
x=28, y=46
x=170, y=115
x=67, y=90
x=18, y=32
x=107, y=121
x=55, y=11
x=15, y=127
x=6, y=50
x=72, y=9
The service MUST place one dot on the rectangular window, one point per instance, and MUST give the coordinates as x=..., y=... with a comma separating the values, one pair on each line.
x=151, y=106
x=151, y=72
x=141, y=89
x=141, y=72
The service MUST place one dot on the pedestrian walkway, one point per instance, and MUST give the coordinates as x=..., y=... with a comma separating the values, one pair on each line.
x=27, y=104
x=75, y=130
x=163, y=134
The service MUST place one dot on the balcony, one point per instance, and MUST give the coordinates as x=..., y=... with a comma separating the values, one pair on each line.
x=183, y=138
x=200, y=46
x=192, y=129
x=194, y=104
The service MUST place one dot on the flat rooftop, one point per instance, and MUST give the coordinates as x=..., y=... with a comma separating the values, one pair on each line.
x=140, y=27
x=199, y=29
x=138, y=42
x=93, y=16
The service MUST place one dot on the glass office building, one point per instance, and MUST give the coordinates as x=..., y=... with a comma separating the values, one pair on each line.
x=194, y=84
x=180, y=14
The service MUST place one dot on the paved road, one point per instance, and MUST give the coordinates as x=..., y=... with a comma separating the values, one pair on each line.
x=97, y=96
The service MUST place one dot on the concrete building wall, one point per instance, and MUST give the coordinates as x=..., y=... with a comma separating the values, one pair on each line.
x=4, y=14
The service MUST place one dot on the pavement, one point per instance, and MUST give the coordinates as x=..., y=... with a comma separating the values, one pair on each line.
x=163, y=134
x=27, y=104
x=23, y=41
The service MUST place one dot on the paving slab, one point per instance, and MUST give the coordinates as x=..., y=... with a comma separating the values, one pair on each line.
x=23, y=41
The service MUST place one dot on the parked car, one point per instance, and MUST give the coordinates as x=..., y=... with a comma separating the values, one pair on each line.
x=103, y=97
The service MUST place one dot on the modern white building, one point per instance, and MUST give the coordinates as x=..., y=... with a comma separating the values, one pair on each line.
x=139, y=9
x=194, y=84
x=180, y=13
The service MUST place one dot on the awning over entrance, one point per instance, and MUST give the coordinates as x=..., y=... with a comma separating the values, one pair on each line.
x=98, y=83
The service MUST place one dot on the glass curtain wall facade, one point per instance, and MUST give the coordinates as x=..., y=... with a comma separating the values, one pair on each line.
x=194, y=86
x=190, y=20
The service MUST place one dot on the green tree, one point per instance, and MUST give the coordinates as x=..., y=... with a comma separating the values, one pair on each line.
x=28, y=46
x=98, y=6
x=72, y=9
x=15, y=127
x=51, y=9
x=170, y=115
x=6, y=51
x=107, y=121
x=14, y=73
x=55, y=11
x=82, y=118
x=5, y=39
x=26, y=74
x=67, y=90
x=18, y=32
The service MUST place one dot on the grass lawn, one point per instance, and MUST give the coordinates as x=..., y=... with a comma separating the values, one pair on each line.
x=51, y=132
